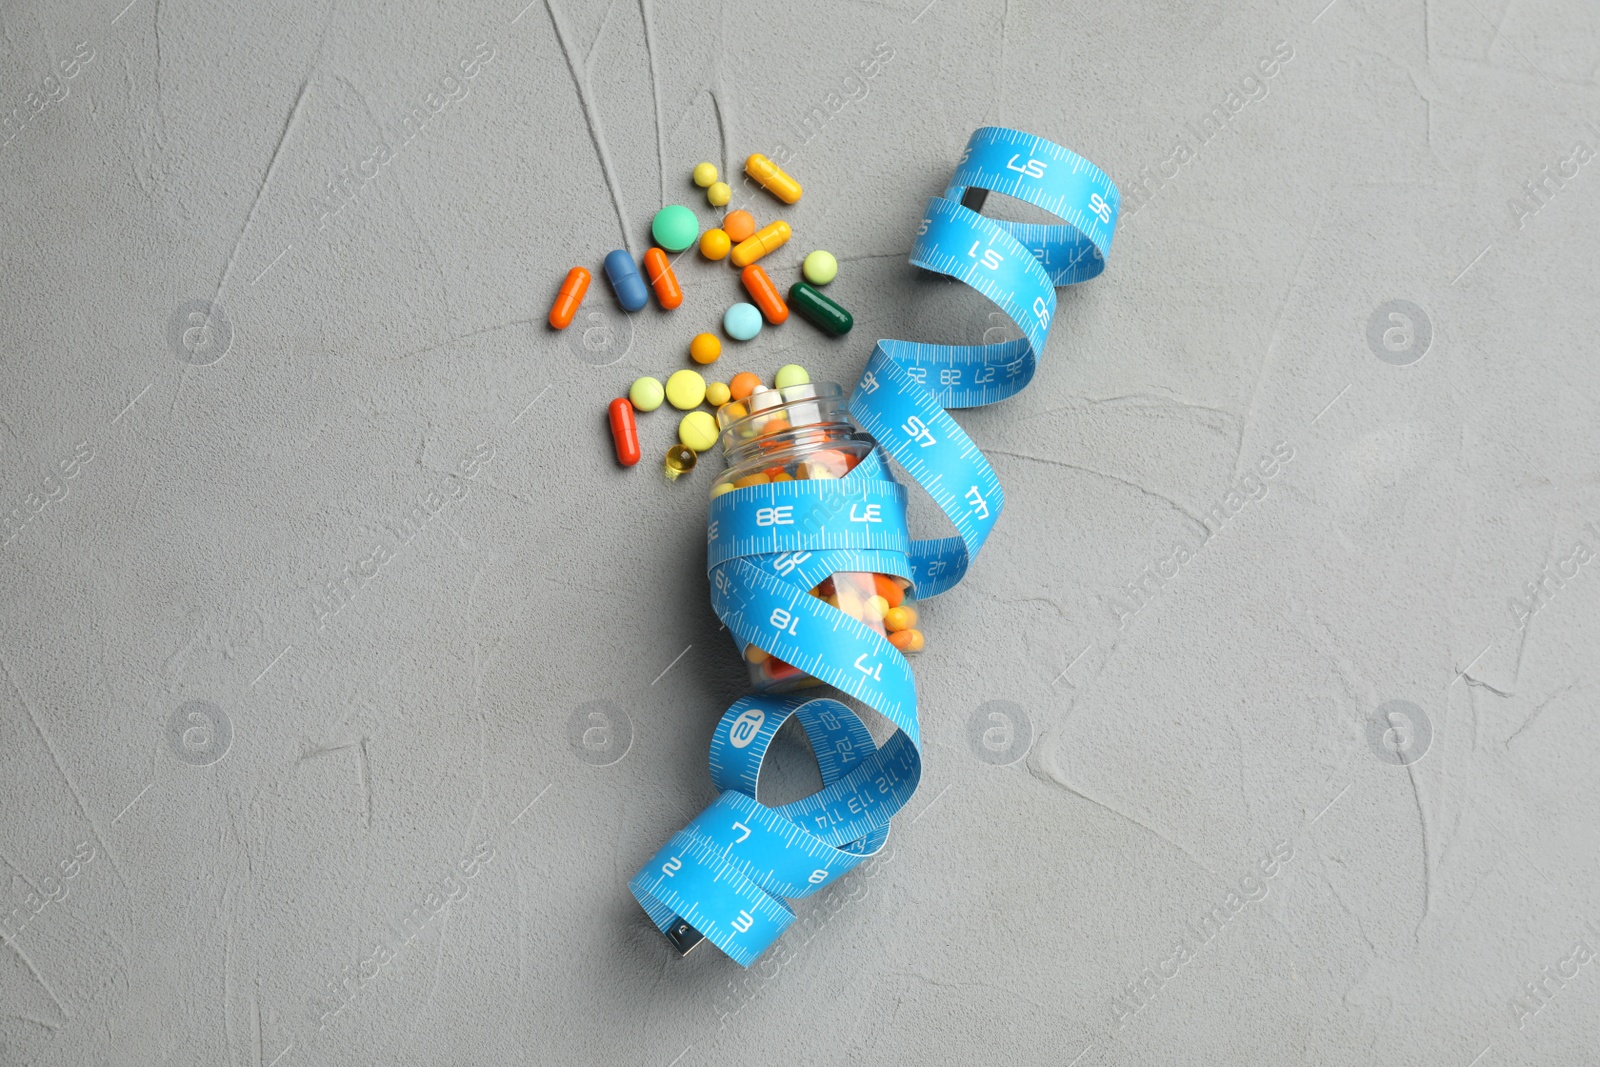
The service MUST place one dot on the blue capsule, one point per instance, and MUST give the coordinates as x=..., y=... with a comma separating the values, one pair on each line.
x=626, y=281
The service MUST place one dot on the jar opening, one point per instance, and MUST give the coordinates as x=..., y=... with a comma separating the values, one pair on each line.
x=794, y=416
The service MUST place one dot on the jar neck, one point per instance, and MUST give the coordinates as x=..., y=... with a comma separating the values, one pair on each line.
x=777, y=423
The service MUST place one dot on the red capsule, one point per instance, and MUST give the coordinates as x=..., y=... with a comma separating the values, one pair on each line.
x=568, y=299
x=764, y=294
x=662, y=280
x=624, y=431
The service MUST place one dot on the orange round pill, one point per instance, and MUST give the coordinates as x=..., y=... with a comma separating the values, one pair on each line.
x=714, y=244
x=903, y=617
x=738, y=225
x=907, y=640
x=743, y=384
x=705, y=348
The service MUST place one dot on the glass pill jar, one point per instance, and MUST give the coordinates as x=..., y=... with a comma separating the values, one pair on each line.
x=802, y=432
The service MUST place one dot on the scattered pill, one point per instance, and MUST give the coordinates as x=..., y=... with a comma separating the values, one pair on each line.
x=680, y=460
x=569, y=298
x=769, y=237
x=705, y=348
x=646, y=393
x=698, y=430
x=738, y=225
x=685, y=390
x=744, y=383
x=714, y=244
x=821, y=311
x=820, y=267
x=790, y=374
x=662, y=280
x=719, y=194
x=772, y=178
x=631, y=291
x=675, y=227
x=764, y=294
x=624, y=431
x=705, y=174
x=742, y=321
x=717, y=394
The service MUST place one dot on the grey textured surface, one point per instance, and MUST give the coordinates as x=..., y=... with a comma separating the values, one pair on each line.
x=222, y=791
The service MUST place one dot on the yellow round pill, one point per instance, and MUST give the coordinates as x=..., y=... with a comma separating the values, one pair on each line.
x=685, y=390
x=714, y=244
x=717, y=394
x=705, y=174
x=698, y=430
x=719, y=194
x=705, y=348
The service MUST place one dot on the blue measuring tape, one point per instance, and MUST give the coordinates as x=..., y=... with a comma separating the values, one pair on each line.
x=726, y=876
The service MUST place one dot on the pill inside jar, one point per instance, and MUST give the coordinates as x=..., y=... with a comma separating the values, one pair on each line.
x=795, y=433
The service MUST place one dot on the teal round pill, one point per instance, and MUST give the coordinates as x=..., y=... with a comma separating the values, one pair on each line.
x=742, y=321
x=675, y=227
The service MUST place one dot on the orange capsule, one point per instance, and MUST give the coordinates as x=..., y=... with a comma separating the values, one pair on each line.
x=624, y=431
x=568, y=299
x=768, y=238
x=764, y=294
x=662, y=280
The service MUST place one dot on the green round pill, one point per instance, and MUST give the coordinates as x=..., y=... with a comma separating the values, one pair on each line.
x=820, y=267
x=675, y=227
x=646, y=394
x=790, y=374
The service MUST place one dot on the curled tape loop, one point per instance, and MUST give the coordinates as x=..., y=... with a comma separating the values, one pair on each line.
x=726, y=876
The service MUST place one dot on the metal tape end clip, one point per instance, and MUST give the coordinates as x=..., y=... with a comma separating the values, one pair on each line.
x=684, y=937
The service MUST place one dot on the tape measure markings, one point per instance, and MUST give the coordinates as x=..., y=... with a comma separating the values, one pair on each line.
x=725, y=876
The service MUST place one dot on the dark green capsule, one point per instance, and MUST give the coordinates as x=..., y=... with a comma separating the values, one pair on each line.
x=818, y=310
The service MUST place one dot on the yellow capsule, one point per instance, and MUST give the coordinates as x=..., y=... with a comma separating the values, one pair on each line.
x=767, y=239
x=772, y=178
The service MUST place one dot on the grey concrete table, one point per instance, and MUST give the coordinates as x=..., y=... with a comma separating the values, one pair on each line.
x=1261, y=732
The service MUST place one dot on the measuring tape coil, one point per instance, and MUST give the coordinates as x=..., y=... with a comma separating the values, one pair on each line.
x=726, y=876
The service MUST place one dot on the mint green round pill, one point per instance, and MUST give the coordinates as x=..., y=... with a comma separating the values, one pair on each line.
x=820, y=267
x=646, y=394
x=675, y=227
